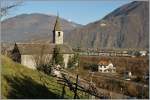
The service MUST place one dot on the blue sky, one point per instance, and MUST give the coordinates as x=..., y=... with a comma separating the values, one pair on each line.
x=79, y=11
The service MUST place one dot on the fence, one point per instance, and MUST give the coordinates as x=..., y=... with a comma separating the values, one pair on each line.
x=89, y=88
x=86, y=90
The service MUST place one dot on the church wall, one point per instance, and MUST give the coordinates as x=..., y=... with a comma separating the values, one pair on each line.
x=66, y=59
x=30, y=60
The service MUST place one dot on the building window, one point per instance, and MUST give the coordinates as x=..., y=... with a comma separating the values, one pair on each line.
x=100, y=70
x=106, y=70
x=58, y=34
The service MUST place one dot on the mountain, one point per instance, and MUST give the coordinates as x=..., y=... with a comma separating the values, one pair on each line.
x=32, y=27
x=125, y=27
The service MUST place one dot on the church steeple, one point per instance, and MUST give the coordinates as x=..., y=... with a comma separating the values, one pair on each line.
x=57, y=32
x=57, y=26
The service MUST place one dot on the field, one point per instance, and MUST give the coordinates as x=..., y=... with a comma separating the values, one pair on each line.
x=137, y=65
x=115, y=82
x=21, y=82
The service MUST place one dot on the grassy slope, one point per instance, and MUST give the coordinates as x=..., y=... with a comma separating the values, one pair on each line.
x=21, y=82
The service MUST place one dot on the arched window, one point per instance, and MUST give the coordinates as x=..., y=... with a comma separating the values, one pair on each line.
x=58, y=34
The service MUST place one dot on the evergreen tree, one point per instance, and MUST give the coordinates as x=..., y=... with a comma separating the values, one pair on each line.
x=73, y=60
x=57, y=57
x=70, y=62
x=137, y=53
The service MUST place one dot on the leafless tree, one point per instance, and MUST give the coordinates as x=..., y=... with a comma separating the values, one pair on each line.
x=6, y=5
x=41, y=58
x=43, y=61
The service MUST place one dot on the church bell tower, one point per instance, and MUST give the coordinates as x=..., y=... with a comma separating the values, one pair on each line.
x=57, y=32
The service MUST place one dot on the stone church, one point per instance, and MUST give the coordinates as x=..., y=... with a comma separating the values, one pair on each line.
x=28, y=54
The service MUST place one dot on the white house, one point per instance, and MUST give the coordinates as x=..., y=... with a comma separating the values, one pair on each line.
x=105, y=66
x=143, y=53
x=128, y=75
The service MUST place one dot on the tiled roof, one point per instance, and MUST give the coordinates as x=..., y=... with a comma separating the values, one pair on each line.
x=38, y=48
x=104, y=62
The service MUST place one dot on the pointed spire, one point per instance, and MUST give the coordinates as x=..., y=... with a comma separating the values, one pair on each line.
x=57, y=13
x=57, y=24
x=15, y=42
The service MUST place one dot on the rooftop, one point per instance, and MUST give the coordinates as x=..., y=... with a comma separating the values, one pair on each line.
x=39, y=48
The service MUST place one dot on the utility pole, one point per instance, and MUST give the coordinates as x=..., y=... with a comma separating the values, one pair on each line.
x=91, y=80
x=143, y=88
x=76, y=87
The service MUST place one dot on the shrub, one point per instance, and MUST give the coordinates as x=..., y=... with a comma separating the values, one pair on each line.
x=132, y=91
x=137, y=53
x=73, y=61
x=46, y=68
x=70, y=62
x=57, y=57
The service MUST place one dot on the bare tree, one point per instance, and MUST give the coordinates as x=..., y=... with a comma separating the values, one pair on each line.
x=43, y=61
x=6, y=5
x=41, y=58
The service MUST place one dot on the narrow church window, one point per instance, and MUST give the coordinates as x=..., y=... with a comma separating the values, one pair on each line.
x=58, y=33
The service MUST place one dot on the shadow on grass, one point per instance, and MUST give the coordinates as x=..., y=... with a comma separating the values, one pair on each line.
x=26, y=88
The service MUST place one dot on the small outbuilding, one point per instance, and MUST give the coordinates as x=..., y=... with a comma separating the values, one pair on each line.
x=106, y=66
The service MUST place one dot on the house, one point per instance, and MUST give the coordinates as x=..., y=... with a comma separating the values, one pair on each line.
x=31, y=54
x=127, y=75
x=143, y=53
x=106, y=66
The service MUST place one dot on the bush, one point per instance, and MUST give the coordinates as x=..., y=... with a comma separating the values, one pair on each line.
x=137, y=53
x=70, y=62
x=90, y=66
x=46, y=68
x=57, y=57
x=132, y=91
x=73, y=61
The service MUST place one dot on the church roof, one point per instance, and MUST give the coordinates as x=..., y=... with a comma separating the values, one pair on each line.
x=38, y=48
x=104, y=62
x=57, y=26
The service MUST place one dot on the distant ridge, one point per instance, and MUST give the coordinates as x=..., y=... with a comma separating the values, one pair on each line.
x=125, y=27
x=32, y=27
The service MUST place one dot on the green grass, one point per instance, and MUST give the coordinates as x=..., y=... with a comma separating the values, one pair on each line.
x=21, y=82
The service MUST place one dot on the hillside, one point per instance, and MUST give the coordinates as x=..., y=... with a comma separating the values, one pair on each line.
x=32, y=27
x=21, y=82
x=125, y=27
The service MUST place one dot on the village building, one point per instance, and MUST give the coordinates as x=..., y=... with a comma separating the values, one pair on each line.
x=127, y=75
x=105, y=66
x=29, y=54
x=143, y=53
